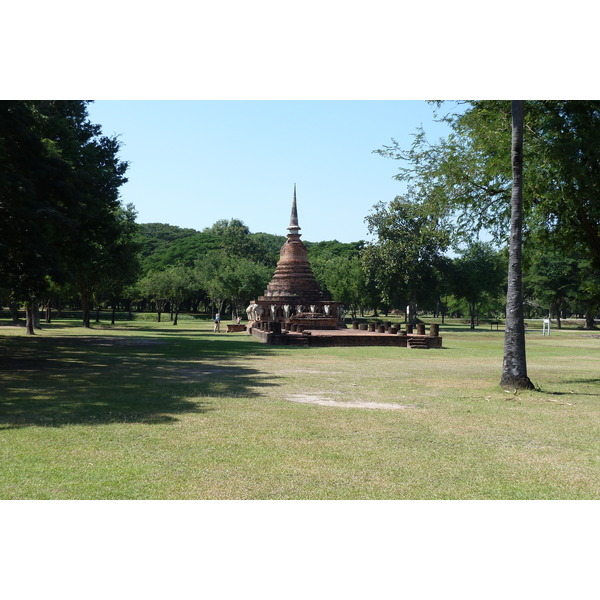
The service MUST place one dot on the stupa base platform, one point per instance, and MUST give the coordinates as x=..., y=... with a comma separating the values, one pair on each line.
x=345, y=337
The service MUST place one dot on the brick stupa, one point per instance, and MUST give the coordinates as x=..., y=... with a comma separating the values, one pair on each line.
x=293, y=300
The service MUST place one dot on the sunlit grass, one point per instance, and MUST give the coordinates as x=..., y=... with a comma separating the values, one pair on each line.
x=147, y=410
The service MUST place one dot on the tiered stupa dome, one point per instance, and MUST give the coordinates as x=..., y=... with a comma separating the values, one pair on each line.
x=293, y=280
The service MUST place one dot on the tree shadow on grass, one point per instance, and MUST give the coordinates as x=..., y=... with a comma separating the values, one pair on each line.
x=97, y=379
x=592, y=381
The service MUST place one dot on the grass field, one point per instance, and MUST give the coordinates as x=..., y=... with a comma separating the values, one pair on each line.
x=147, y=410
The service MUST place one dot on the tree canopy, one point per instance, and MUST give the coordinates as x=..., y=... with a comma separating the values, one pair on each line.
x=404, y=261
x=468, y=174
x=59, y=196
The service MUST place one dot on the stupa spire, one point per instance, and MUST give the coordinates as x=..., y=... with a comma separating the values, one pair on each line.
x=294, y=227
x=293, y=281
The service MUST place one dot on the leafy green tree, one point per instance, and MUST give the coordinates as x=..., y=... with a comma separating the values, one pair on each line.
x=403, y=263
x=587, y=293
x=271, y=245
x=32, y=184
x=124, y=269
x=477, y=273
x=236, y=240
x=95, y=221
x=468, y=174
x=227, y=278
x=156, y=286
x=179, y=287
x=345, y=279
x=553, y=279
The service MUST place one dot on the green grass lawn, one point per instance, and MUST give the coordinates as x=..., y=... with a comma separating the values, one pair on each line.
x=147, y=410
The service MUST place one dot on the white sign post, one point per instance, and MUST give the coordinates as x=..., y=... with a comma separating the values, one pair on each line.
x=546, y=327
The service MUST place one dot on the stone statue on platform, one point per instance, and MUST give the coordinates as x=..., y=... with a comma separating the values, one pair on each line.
x=250, y=312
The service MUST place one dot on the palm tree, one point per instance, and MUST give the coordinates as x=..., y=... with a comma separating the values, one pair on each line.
x=514, y=368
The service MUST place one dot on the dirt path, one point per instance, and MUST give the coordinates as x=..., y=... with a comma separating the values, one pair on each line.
x=324, y=401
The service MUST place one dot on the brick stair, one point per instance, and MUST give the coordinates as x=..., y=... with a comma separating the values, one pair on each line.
x=418, y=343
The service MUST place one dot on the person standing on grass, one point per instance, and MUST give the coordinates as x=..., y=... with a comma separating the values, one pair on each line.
x=218, y=322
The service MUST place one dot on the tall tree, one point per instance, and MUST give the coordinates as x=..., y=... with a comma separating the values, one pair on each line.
x=403, y=261
x=236, y=239
x=33, y=182
x=227, y=278
x=552, y=278
x=96, y=220
x=514, y=367
x=344, y=278
x=157, y=286
x=476, y=274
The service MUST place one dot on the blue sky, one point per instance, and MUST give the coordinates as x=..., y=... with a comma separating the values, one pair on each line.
x=193, y=162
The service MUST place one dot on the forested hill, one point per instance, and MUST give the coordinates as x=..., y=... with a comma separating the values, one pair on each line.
x=163, y=245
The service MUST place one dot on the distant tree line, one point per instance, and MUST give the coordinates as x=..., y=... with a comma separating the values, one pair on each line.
x=67, y=242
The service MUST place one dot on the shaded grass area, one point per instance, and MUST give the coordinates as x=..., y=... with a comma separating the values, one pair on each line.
x=148, y=410
x=99, y=377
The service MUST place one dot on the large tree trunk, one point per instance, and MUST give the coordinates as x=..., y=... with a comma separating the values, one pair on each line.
x=48, y=318
x=29, y=318
x=514, y=368
x=557, y=311
x=589, y=318
x=85, y=309
x=36, y=316
x=14, y=311
x=472, y=308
